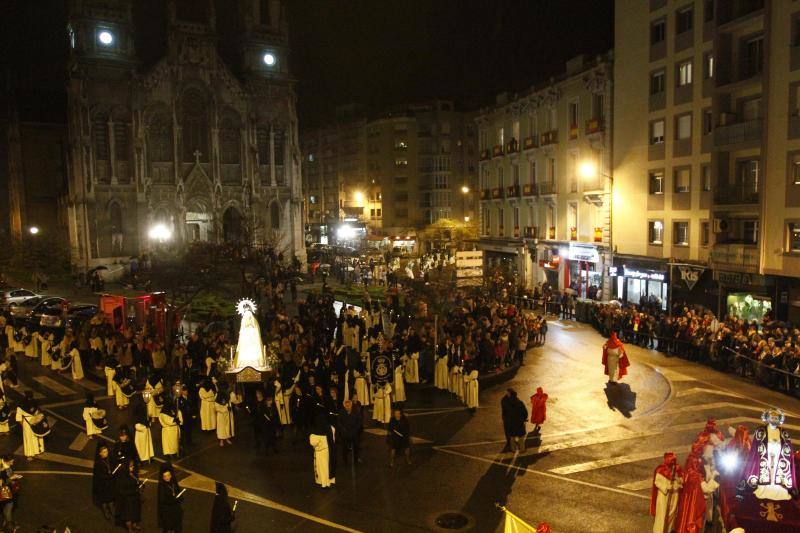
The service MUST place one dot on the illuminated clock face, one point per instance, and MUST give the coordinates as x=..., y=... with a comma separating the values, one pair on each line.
x=269, y=59
x=105, y=37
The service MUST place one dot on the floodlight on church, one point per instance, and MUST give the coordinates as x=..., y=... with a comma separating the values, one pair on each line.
x=105, y=37
x=269, y=59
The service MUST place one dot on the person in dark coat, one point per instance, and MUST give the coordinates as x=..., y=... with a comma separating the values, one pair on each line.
x=127, y=498
x=515, y=414
x=170, y=513
x=103, y=480
x=124, y=449
x=348, y=431
x=222, y=515
x=188, y=409
x=399, y=436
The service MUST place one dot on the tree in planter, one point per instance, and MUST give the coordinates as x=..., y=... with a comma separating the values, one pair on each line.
x=447, y=233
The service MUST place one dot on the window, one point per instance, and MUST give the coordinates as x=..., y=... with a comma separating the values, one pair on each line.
x=684, y=73
x=750, y=108
x=551, y=169
x=598, y=106
x=533, y=177
x=753, y=57
x=655, y=232
x=684, y=19
x=657, y=132
x=748, y=175
x=657, y=82
x=263, y=12
x=275, y=215
x=515, y=174
x=516, y=217
x=487, y=222
x=400, y=180
x=708, y=122
x=500, y=136
x=401, y=213
x=793, y=245
x=683, y=179
x=708, y=66
x=683, y=127
x=100, y=136
x=230, y=140
x=794, y=168
x=705, y=233
x=500, y=177
x=533, y=126
x=705, y=174
x=500, y=218
x=194, y=120
x=656, y=180
x=573, y=114
x=708, y=10
x=401, y=162
x=658, y=31
x=440, y=181
x=553, y=116
x=572, y=215
x=750, y=231
x=401, y=196
x=515, y=130
x=680, y=232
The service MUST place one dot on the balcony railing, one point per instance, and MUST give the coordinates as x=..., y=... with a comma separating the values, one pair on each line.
x=551, y=232
x=573, y=233
x=501, y=231
x=594, y=125
x=529, y=189
x=546, y=188
x=530, y=142
x=549, y=137
x=733, y=194
x=497, y=150
x=598, y=234
x=486, y=194
x=738, y=133
x=532, y=232
x=735, y=256
x=484, y=154
x=497, y=192
x=512, y=191
x=512, y=146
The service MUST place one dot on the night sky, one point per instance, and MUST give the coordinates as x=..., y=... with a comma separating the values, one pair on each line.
x=377, y=53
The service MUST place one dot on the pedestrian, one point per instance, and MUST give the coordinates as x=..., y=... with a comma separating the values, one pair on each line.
x=171, y=420
x=615, y=360
x=348, y=431
x=28, y=416
x=538, y=409
x=128, y=498
x=92, y=416
x=318, y=439
x=471, y=387
x=188, y=415
x=399, y=436
x=514, y=414
x=9, y=491
x=208, y=414
x=222, y=514
x=170, y=497
x=103, y=480
x=124, y=449
x=224, y=412
x=144, y=437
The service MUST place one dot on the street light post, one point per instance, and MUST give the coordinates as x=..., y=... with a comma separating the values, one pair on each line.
x=464, y=193
x=588, y=170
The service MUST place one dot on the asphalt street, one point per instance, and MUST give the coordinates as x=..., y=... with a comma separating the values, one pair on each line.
x=590, y=471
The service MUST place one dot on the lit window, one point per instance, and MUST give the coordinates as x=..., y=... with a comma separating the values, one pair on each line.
x=794, y=237
x=706, y=174
x=401, y=162
x=269, y=59
x=657, y=132
x=684, y=73
x=655, y=232
x=311, y=157
x=656, y=179
x=681, y=233
x=105, y=37
x=794, y=169
x=683, y=179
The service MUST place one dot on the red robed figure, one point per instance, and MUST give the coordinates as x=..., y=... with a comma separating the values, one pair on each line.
x=614, y=342
x=538, y=407
x=692, y=503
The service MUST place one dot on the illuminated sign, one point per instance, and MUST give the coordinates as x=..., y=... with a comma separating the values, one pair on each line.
x=644, y=274
x=583, y=252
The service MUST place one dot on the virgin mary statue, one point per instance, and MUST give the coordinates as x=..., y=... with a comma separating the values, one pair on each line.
x=249, y=349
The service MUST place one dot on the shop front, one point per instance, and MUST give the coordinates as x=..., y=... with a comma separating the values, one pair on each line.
x=578, y=266
x=640, y=281
x=693, y=285
x=509, y=257
x=744, y=295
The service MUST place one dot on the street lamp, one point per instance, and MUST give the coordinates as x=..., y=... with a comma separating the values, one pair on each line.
x=464, y=193
x=359, y=197
x=465, y=189
x=160, y=233
x=34, y=230
x=588, y=170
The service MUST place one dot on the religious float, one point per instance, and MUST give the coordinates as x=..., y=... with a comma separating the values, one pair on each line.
x=736, y=484
x=249, y=361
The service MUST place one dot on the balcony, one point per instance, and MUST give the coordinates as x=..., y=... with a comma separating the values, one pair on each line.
x=738, y=133
x=512, y=191
x=516, y=232
x=497, y=150
x=549, y=137
x=497, y=193
x=512, y=146
x=740, y=257
x=735, y=195
x=732, y=10
x=501, y=231
x=595, y=125
x=598, y=234
x=532, y=232
x=573, y=131
x=530, y=142
x=551, y=232
x=573, y=233
x=529, y=189
x=486, y=194
x=546, y=188
x=484, y=154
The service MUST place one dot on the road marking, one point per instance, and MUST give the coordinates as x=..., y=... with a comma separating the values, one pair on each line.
x=637, y=485
x=546, y=474
x=21, y=389
x=613, y=461
x=65, y=459
x=80, y=442
x=382, y=433
x=54, y=385
x=673, y=375
x=89, y=384
x=700, y=390
x=74, y=402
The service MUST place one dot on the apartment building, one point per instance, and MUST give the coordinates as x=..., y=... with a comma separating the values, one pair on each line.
x=539, y=215
x=397, y=172
x=707, y=153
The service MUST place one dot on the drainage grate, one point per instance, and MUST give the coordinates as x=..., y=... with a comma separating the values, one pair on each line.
x=452, y=521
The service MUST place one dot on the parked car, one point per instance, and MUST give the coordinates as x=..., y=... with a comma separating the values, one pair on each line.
x=53, y=317
x=23, y=309
x=50, y=306
x=13, y=296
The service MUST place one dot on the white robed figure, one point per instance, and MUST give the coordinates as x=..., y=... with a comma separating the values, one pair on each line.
x=440, y=376
x=382, y=408
x=208, y=413
x=362, y=387
x=170, y=431
x=143, y=441
x=471, y=389
x=77, y=367
x=399, y=384
x=412, y=368
x=109, y=372
x=321, y=460
x=31, y=444
x=89, y=412
x=249, y=349
x=44, y=350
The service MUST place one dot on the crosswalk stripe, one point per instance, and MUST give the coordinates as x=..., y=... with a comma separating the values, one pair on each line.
x=89, y=384
x=613, y=461
x=21, y=389
x=53, y=385
x=65, y=459
x=637, y=485
x=80, y=442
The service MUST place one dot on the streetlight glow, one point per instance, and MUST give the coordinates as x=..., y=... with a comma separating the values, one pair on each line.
x=105, y=37
x=34, y=230
x=160, y=233
x=359, y=197
x=465, y=189
x=466, y=219
x=587, y=170
x=269, y=59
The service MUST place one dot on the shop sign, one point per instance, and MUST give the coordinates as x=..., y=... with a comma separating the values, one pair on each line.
x=690, y=274
x=644, y=274
x=583, y=252
x=739, y=278
x=613, y=271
